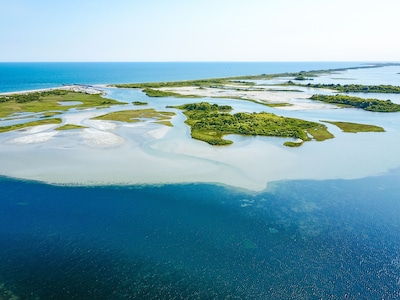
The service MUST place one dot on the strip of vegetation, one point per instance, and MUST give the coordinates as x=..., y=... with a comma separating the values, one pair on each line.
x=160, y=93
x=49, y=114
x=293, y=144
x=198, y=83
x=139, y=103
x=49, y=101
x=355, y=127
x=70, y=127
x=210, y=122
x=353, y=88
x=214, y=82
x=374, y=105
x=131, y=116
x=30, y=124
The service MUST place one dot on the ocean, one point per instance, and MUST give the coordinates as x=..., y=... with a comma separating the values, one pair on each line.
x=298, y=239
x=30, y=76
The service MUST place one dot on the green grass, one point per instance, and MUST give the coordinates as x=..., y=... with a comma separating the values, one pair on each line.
x=160, y=93
x=355, y=127
x=353, y=88
x=210, y=122
x=139, y=103
x=49, y=101
x=293, y=144
x=70, y=127
x=198, y=83
x=131, y=116
x=30, y=124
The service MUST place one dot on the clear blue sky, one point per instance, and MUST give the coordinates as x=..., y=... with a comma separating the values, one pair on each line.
x=199, y=30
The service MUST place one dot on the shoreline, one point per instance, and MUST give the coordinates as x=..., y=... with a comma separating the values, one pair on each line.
x=115, y=153
x=84, y=88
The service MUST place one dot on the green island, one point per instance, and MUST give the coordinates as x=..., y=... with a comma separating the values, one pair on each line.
x=159, y=93
x=374, y=105
x=210, y=122
x=352, y=88
x=355, y=127
x=139, y=103
x=70, y=127
x=30, y=124
x=132, y=116
x=50, y=101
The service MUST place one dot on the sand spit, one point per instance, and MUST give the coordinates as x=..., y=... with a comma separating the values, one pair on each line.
x=81, y=88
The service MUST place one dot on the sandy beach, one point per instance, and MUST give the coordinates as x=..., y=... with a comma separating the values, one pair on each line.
x=88, y=89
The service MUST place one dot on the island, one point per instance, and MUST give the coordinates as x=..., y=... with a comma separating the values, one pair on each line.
x=369, y=104
x=351, y=88
x=210, y=122
x=51, y=100
x=132, y=116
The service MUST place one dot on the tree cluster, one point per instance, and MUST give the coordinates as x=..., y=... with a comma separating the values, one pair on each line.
x=366, y=104
x=210, y=122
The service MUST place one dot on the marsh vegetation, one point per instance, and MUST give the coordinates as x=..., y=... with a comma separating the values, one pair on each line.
x=355, y=127
x=30, y=124
x=374, y=105
x=50, y=101
x=132, y=116
x=353, y=88
x=210, y=122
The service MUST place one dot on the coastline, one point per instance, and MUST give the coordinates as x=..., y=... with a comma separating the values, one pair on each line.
x=109, y=152
x=80, y=88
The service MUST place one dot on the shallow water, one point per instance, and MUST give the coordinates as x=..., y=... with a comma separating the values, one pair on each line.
x=333, y=237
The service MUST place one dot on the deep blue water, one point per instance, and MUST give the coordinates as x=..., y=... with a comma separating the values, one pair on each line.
x=299, y=240
x=28, y=76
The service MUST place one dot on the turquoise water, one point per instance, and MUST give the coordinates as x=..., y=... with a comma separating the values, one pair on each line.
x=300, y=239
x=28, y=76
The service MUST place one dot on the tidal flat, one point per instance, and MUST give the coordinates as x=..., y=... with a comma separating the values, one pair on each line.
x=147, y=152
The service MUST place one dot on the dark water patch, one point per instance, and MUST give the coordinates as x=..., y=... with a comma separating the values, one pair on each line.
x=333, y=239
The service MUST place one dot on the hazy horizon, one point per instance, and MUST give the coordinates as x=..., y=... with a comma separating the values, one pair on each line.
x=198, y=31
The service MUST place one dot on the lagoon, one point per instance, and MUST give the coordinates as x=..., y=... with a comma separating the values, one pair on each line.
x=148, y=153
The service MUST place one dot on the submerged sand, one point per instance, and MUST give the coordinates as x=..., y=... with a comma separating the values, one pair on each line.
x=107, y=152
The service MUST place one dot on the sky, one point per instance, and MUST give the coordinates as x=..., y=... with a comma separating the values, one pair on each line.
x=199, y=30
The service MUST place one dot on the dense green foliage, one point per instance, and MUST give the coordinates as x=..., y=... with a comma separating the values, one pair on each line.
x=355, y=127
x=355, y=88
x=159, y=93
x=210, y=122
x=366, y=104
x=139, y=103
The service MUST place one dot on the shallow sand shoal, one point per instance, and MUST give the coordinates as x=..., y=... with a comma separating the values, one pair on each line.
x=296, y=100
x=148, y=153
x=108, y=152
